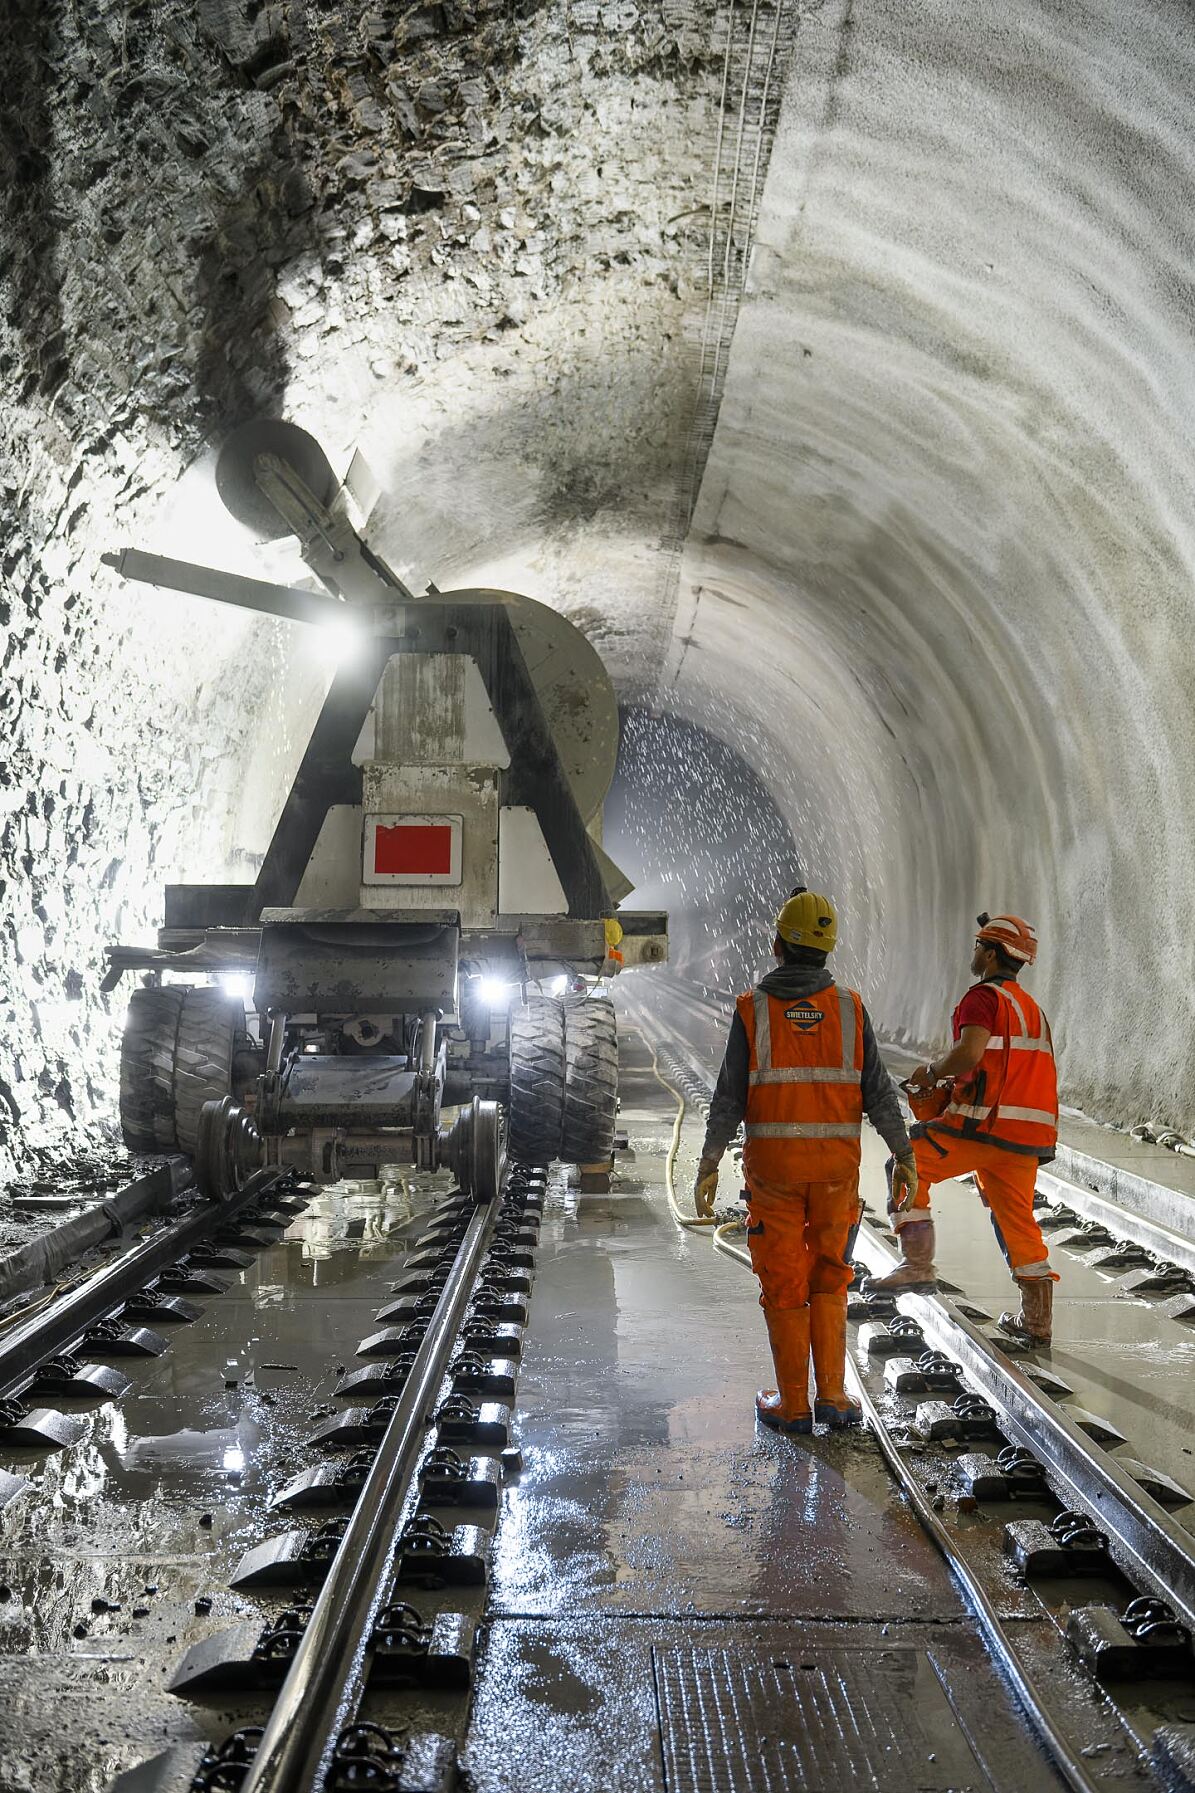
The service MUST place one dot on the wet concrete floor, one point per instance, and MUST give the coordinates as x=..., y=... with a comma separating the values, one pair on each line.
x=654, y=1525
x=1127, y=1363
x=149, y=1514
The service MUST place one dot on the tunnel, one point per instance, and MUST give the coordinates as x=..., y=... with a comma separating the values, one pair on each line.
x=874, y=471
x=825, y=367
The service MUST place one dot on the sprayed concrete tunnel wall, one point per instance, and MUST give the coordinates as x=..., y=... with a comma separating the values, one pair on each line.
x=944, y=550
x=936, y=589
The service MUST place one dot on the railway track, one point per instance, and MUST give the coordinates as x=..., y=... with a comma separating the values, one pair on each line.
x=369, y=1574
x=1038, y=1506
x=359, y=1673
x=59, y=1348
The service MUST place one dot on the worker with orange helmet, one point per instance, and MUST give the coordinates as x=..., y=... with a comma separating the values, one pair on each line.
x=988, y=1106
x=801, y=1069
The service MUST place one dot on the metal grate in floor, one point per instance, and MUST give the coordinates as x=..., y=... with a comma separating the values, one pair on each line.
x=809, y=1721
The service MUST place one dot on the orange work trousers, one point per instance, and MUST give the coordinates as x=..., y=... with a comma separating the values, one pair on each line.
x=798, y=1240
x=1006, y=1183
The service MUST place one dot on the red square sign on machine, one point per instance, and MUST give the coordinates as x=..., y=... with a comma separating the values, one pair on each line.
x=412, y=850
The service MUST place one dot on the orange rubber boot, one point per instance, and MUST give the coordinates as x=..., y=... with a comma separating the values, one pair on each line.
x=786, y=1409
x=827, y=1315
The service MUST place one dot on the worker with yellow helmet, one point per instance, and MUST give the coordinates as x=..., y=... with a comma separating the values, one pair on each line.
x=801, y=1069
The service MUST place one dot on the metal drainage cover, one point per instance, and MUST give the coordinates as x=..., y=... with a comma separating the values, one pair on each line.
x=809, y=1721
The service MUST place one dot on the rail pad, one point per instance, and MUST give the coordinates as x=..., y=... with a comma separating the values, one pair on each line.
x=1038, y=1549
x=1102, y=1643
x=448, y=1479
x=431, y=1556
x=355, y=1427
x=66, y=1375
x=328, y=1485
x=987, y=1479
x=152, y=1304
x=378, y=1378
x=111, y=1338
x=368, y=1756
x=408, y=1651
x=39, y=1428
x=184, y=1279
x=298, y=1558
x=475, y=1373
x=485, y=1425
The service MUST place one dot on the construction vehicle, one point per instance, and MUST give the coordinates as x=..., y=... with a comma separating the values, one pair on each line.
x=435, y=909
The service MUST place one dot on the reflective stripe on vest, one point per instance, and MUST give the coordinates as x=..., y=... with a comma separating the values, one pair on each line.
x=1017, y=1062
x=803, y=1085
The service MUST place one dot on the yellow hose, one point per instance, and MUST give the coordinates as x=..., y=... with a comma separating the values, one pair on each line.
x=690, y=1221
x=731, y=1251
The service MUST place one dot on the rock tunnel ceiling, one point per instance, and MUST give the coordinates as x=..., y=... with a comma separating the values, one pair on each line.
x=906, y=524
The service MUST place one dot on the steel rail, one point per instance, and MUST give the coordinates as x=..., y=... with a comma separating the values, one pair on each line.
x=62, y=1322
x=1025, y=1688
x=1137, y=1228
x=1150, y=1546
x=327, y=1675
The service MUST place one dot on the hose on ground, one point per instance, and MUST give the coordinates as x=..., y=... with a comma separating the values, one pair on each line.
x=689, y=1221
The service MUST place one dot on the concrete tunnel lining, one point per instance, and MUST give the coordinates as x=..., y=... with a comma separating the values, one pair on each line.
x=946, y=506
x=952, y=514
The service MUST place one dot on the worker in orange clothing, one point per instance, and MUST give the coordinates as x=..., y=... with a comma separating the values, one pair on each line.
x=801, y=1069
x=988, y=1106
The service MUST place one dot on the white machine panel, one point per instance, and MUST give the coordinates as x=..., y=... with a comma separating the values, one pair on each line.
x=527, y=880
x=412, y=849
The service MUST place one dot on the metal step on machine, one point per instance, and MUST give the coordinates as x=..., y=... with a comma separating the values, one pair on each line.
x=435, y=907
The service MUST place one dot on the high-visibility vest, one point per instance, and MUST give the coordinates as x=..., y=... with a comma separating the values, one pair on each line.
x=1011, y=1097
x=804, y=1116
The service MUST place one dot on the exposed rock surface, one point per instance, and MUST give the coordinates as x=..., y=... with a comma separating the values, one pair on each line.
x=227, y=208
x=938, y=590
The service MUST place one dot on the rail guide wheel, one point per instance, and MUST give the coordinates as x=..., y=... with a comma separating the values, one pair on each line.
x=474, y=1149
x=590, y=1080
x=228, y=1150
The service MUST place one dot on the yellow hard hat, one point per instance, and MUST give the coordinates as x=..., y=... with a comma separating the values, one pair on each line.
x=808, y=919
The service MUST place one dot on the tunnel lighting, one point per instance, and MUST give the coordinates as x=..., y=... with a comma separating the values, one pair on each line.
x=495, y=992
x=337, y=642
x=237, y=983
x=557, y=986
x=234, y=1458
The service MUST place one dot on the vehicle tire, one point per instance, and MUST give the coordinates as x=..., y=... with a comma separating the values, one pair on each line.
x=147, y=1069
x=590, y=1080
x=208, y=1025
x=536, y=1106
x=176, y=1054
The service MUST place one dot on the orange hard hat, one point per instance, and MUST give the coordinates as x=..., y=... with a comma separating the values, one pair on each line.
x=1016, y=937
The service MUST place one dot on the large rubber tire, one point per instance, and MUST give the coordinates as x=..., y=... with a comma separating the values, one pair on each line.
x=147, y=1069
x=590, y=1080
x=535, y=1111
x=208, y=1025
x=176, y=1055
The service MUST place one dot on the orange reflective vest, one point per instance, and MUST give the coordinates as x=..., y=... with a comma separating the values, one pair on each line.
x=804, y=1115
x=1011, y=1097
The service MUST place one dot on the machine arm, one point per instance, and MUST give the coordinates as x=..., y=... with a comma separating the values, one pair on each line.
x=288, y=602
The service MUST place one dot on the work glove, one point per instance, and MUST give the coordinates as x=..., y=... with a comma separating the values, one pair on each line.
x=706, y=1187
x=903, y=1184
